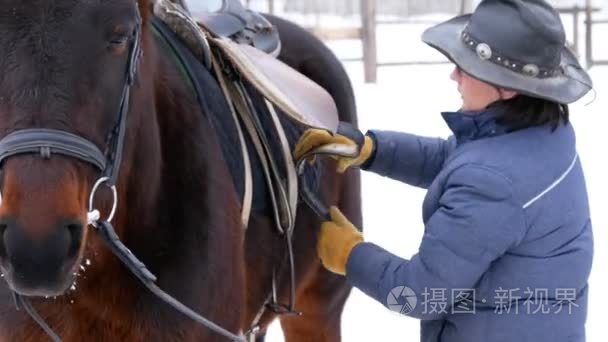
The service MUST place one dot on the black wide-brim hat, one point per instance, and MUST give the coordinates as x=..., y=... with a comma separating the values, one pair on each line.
x=517, y=45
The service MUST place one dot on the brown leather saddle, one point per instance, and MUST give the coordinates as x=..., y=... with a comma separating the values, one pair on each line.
x=243, y=26
x=250, y=43
x=233, y=40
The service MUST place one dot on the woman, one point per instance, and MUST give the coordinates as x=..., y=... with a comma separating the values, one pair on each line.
x=507, y=248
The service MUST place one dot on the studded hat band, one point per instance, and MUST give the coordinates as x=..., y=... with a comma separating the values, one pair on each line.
x=486, y=53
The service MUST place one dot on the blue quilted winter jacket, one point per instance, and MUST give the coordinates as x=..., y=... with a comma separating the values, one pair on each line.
x=507, y=245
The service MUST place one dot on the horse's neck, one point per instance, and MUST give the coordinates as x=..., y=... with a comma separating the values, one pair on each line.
x=170, y=162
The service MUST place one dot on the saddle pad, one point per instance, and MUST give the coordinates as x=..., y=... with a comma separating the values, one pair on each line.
x=215, y=107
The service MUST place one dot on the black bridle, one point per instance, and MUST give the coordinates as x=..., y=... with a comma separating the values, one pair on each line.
x=51, y=141
x=47, y=142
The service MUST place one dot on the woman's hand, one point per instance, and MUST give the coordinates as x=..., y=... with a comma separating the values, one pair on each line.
x=314, y=138
x=336, y=240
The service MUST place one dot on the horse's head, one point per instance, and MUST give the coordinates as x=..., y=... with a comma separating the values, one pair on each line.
x=64, y=66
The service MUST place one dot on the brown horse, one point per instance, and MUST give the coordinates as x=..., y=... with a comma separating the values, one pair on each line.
x=63, y=68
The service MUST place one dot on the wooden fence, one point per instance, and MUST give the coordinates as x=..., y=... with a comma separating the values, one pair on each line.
x=371, y=10
x=401, y=8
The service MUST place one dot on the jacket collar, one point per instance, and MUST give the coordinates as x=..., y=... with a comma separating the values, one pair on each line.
x=473, y=125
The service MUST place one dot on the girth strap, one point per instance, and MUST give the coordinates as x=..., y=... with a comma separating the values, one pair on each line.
x=248, y=191
x=51, y=141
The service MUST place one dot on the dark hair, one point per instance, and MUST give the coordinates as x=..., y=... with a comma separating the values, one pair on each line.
x=524, y=111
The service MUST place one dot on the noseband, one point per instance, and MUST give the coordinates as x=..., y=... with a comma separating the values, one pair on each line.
x=48, y=142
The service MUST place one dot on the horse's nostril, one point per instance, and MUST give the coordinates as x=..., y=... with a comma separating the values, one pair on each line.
x=76, y=230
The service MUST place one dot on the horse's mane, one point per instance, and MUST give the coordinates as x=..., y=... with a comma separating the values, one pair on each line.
x=145, y=8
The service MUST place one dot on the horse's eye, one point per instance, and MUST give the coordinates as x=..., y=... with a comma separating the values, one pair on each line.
x=119, y=39
x=117, y=43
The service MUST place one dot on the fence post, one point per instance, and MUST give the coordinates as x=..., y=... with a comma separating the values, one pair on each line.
x=588, y=34
x=368, y=38
x=575, y=22
x=464, y=7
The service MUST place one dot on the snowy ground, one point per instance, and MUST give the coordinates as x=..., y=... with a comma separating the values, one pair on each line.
x=410, y=99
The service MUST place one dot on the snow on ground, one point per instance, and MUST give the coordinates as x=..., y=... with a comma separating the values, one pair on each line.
x=410, y=99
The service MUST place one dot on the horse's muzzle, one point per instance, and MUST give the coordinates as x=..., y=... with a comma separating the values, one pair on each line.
x=35, y=266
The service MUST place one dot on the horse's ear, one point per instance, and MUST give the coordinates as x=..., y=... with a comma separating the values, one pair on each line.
x=145, y=8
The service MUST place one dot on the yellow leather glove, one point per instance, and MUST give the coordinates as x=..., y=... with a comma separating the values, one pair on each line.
x=337, y=239
x=314, y=138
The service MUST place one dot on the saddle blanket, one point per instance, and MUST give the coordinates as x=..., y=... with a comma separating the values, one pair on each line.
x=215, y=106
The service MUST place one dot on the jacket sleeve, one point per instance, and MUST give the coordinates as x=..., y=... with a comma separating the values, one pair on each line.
x=478, y=220
x=408, y=158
